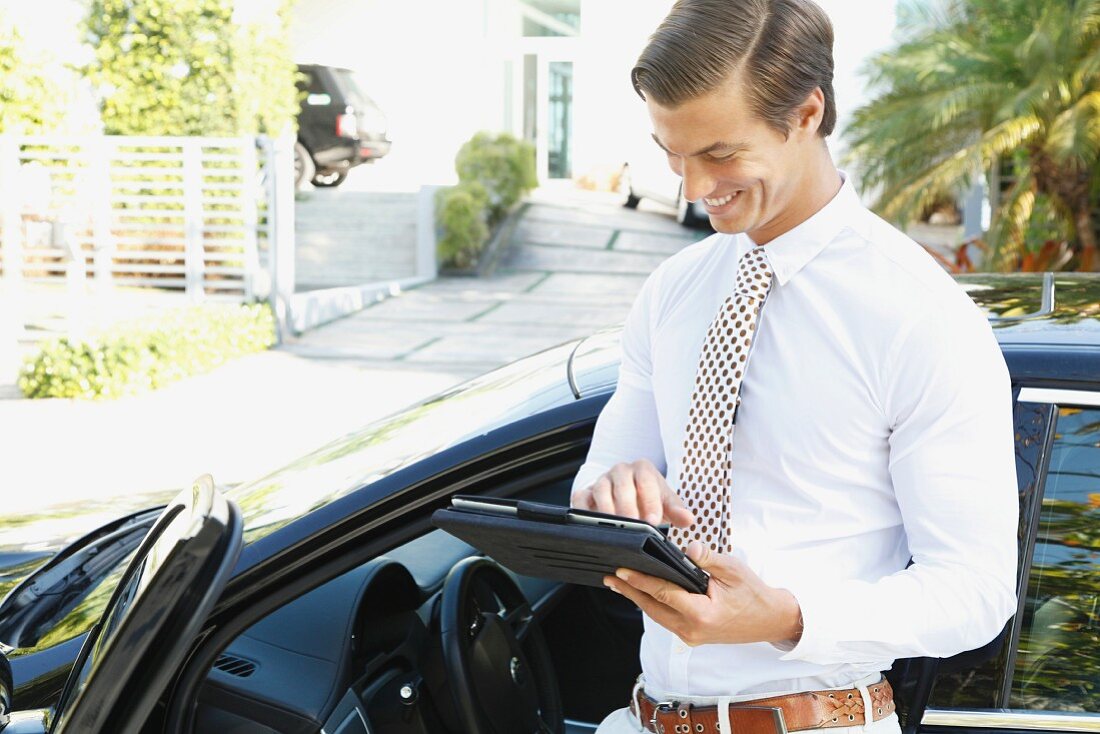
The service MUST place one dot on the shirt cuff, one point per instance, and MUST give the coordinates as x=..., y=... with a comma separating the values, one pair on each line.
x=814, y=642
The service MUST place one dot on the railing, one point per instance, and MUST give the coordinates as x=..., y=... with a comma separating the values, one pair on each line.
x=189, y=214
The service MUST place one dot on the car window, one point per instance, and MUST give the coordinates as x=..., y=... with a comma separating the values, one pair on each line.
x=315, y=84
x=976, y=679
x=350, y=88
x=1058, y=657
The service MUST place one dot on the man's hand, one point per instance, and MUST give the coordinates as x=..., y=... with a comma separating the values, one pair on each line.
x=635, y=490
x=737, y=608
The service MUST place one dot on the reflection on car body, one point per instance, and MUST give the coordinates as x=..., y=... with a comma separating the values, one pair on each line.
x=345, y=609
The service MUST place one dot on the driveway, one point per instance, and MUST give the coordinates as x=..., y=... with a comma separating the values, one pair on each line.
x=576, y=261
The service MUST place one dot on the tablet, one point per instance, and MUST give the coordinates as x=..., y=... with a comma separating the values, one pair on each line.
x=566, y=544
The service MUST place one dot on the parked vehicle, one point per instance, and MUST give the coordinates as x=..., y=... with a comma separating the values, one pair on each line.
x=319, y=598
x=339, y=127
x=647, y=176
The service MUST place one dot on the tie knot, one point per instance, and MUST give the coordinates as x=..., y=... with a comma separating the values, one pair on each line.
x=754, y=274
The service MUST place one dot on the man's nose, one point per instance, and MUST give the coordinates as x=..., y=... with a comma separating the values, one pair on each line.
x=697, y=183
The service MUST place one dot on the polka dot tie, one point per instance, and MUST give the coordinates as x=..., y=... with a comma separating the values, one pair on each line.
x=705, y=472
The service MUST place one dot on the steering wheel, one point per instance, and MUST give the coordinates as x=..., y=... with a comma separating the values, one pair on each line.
x=497, y=662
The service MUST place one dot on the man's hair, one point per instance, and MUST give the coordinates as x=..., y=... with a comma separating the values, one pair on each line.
x=782, y=48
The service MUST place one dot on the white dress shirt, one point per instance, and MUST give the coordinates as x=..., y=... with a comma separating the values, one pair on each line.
x=875, y=425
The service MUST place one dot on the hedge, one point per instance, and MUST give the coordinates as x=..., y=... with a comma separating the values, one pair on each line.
x=135, y=357
x=494, y=172
x=462, y=212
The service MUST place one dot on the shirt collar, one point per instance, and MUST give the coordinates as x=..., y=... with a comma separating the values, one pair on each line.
x=791, y=250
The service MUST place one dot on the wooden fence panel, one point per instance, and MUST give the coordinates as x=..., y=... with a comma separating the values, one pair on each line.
x=190, y=214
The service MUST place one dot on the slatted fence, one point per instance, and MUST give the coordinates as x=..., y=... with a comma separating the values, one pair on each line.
x=187, y=214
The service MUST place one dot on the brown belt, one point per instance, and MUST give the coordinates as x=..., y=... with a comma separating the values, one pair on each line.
x=774, y=715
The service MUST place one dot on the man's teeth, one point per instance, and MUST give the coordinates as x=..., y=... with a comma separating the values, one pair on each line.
x=720, y=202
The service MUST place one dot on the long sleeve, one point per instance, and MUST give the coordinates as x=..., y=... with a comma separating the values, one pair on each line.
x=627, y=428
x=951, y=461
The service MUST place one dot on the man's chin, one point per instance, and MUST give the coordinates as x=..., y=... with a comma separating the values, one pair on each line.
x=727, y=225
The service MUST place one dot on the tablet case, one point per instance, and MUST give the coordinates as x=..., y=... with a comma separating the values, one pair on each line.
x=539, y=542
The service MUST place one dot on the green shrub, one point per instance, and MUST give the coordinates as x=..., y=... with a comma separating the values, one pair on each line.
x=504, y=165
x=461, y=212
x=135, y=357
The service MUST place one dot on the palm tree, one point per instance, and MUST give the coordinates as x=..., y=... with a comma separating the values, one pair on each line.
x=972, y=84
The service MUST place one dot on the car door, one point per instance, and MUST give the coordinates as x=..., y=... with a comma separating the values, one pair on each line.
x=1046, y=674
x=149, y=624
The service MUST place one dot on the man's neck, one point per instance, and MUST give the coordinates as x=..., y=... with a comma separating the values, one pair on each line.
x=819, y=185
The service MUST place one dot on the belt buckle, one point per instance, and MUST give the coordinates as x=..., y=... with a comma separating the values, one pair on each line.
x=777, y=716
x=663, y=707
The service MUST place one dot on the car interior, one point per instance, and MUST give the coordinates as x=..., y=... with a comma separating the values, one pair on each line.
x=429, y=638
x=369, y=649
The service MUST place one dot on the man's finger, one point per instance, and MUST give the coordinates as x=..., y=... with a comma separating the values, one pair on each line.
x=582, y=499
x=661, y=591
x=675, y=511
x=626, y=499
x=649, y=495
x=663, y=615
x=601, y=495
x=621, y=480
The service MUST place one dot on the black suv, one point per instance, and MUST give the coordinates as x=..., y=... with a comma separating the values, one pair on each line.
x=339, y=126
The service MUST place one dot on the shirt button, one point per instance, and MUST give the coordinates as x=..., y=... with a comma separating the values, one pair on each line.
x=679, y=647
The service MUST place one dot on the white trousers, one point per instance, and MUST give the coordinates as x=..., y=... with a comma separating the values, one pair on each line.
x=623, y=721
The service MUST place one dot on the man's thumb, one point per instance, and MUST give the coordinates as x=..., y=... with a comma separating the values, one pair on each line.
x=703, y=557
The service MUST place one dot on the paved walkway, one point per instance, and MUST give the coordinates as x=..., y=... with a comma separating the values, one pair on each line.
x=576, y=263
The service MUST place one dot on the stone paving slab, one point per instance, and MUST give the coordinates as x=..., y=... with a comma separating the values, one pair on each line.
x=499, y=282
x=651, y=242
x=591, y=285
x=520, y=312
x=557, y=233
x=424, y=304
x=538, y=257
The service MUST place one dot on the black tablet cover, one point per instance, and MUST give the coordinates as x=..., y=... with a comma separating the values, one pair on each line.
x=540, y=541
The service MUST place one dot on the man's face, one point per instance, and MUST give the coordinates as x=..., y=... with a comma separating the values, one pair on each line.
x=747, y=174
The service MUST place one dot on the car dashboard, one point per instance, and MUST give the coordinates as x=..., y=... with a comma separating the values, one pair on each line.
x=360, y=654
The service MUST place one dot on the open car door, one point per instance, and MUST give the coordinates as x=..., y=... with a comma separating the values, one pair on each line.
x=160, y=604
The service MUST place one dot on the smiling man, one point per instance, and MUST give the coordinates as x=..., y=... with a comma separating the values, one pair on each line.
x=851, y=489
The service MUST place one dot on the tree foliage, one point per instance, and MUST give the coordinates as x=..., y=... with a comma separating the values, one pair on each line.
x=189, y=67
x=973, y=83
x=30, y=101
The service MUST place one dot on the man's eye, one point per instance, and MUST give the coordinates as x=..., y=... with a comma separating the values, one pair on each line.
x=724, y=159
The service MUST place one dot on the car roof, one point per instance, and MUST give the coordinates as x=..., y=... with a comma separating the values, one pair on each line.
x=1039, y=308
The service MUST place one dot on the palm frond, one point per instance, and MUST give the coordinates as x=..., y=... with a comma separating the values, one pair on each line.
x=1074, y=137
x=956, y=171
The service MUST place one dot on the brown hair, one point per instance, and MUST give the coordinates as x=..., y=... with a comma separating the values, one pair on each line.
x=785, y=48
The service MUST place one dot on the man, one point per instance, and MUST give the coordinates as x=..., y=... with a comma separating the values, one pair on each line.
x=864, y=509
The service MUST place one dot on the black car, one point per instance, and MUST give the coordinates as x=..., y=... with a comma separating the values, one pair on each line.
x=320, y=598
x=339, y=126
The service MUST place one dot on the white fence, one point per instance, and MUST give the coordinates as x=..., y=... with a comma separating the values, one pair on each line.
x=190, y=214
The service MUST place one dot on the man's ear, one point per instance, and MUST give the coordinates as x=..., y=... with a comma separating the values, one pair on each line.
x=808, y=115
